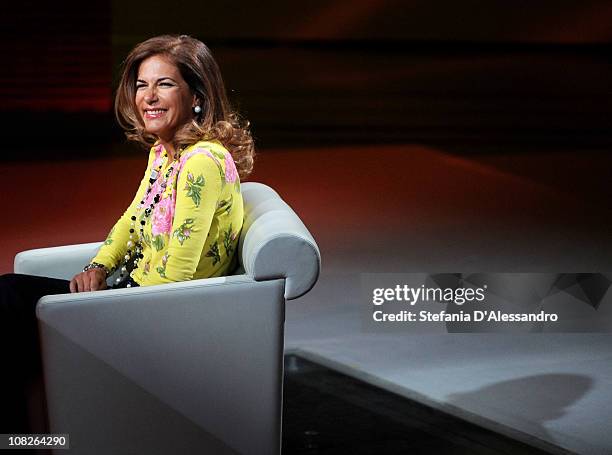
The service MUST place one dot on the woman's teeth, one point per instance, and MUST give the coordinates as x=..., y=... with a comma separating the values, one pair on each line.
x=154, y=113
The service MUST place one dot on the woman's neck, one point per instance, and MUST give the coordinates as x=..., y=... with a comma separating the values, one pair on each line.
x=169, y=147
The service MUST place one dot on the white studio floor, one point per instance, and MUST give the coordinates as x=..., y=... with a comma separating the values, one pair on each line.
x=550, y=390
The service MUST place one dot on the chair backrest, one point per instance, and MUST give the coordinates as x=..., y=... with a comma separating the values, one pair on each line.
x=274, y=242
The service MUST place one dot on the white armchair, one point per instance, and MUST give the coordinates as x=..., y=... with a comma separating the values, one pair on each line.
x=191, y=367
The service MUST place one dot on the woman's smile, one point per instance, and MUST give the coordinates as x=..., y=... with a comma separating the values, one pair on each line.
x=154, y=113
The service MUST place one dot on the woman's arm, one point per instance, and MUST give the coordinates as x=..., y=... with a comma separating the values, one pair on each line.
x=194, y=212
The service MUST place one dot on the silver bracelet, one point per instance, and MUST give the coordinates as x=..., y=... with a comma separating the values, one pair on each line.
x=96, y=265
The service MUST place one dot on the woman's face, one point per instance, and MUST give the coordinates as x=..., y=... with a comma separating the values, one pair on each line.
x=163, y=98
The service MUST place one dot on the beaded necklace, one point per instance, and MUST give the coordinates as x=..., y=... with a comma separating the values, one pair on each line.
x=134, y=245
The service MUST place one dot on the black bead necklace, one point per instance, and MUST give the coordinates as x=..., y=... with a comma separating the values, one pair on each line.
x=134, y=245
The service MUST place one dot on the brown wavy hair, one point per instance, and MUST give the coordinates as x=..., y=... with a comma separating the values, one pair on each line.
x=217, y=121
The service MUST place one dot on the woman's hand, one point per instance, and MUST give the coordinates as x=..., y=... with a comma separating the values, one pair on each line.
x=92, y=280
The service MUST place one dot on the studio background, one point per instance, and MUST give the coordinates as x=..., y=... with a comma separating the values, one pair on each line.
x=425, y=136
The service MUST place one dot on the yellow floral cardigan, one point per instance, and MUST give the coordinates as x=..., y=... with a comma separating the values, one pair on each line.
x=193, y=230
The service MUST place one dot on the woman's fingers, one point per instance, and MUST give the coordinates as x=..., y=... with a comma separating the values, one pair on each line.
x=92, y=280
x=96, y=279
x=83, y=282
x=86, y=282
x=76, y=284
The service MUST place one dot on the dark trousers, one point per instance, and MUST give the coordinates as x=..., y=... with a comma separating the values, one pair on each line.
x=20, y=371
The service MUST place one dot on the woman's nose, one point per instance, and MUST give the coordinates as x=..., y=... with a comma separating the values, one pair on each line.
x=151, y=95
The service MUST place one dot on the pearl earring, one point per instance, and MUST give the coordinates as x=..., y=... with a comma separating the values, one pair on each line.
x=197, y=109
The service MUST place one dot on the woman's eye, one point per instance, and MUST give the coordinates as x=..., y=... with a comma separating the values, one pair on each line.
x=139, y=86
x=165, y=84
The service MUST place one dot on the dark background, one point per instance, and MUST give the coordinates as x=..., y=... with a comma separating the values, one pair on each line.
x=440, y=72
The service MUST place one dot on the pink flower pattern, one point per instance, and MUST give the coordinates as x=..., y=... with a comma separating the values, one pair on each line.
x=163, y=215
x=231, y=174
x=158, y=158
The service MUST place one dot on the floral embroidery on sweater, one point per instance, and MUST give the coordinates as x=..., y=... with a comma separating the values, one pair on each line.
x=194, y=186
x=213, y=253
x=183, y=232
x=109, y=238
x=162, y=269
x=163, y=215
x=228, y=240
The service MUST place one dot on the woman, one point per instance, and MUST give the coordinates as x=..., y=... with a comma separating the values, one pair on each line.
x=186, y=216
x=185, y=219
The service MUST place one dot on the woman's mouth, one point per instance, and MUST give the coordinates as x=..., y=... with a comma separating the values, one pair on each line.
x=154, y=113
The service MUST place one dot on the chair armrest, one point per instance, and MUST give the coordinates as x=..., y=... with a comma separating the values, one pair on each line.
x=205, y=348
x=56, y=262
x=275, y=243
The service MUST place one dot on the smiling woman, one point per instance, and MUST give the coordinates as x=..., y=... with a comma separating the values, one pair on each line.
x=187, y=214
